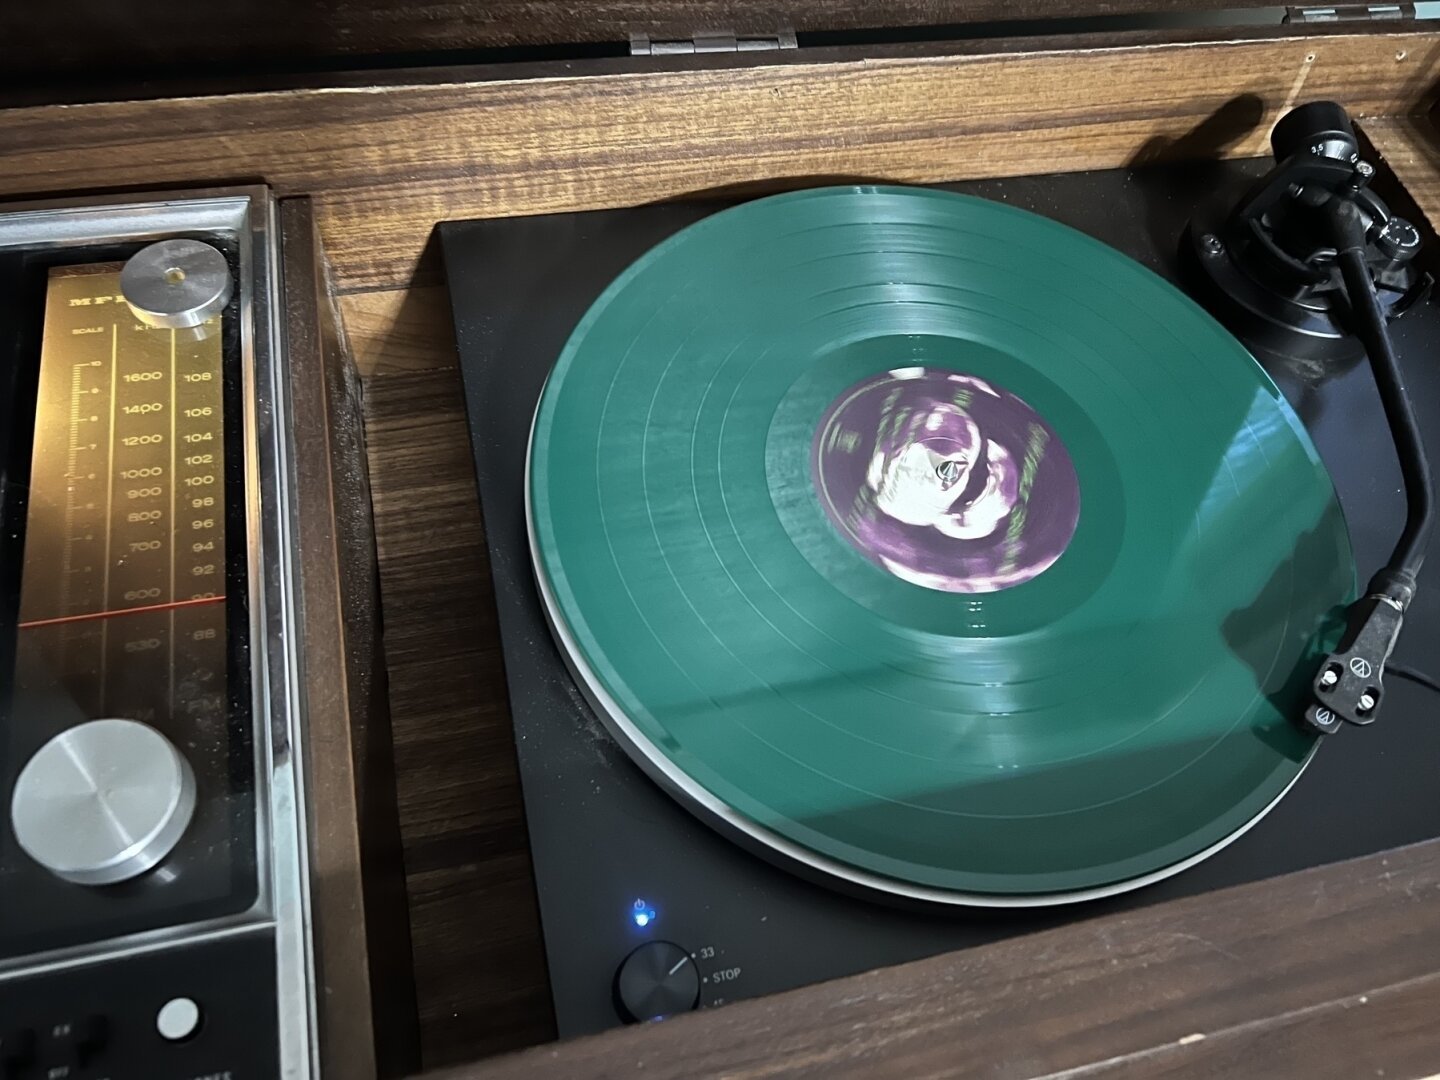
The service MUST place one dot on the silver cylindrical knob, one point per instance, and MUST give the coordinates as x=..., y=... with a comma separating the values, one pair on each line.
x=176, y=283
x=103, y=802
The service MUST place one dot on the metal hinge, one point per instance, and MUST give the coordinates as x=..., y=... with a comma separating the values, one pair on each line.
x=1350, y=13
x=711, y=41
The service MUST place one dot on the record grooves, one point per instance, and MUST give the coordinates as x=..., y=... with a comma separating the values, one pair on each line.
x=1077, y=713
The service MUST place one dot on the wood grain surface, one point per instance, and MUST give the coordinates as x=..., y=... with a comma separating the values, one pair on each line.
x=409, y=329
x=393, y=331
x=479, y=968
x=384, y=165
x=1410, y=145
x=1333, y=972
x=590, y=61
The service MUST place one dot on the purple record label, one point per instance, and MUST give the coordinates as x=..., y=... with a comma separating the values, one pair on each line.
x=945, y=480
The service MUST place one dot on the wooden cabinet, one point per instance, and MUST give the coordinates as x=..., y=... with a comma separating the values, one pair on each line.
x=366, y=117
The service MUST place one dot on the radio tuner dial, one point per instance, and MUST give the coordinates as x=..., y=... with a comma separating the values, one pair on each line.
x=103, y=802
x=657, y=980
x=177, y=284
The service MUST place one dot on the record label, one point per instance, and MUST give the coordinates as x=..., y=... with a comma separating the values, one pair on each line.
x=946, y=480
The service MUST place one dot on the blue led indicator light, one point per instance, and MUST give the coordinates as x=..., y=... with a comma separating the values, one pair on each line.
x=642, y=913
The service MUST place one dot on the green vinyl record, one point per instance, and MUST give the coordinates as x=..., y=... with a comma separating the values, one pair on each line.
x=935, y=547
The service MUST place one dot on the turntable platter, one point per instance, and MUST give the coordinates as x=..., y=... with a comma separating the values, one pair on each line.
x=934, y=547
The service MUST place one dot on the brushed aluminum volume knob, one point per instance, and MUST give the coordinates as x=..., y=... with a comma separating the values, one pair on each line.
x=103, y=802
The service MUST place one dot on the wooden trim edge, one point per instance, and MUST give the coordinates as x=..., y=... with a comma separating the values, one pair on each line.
x=367, y=1018
x=385, y=164
x=1185, y=987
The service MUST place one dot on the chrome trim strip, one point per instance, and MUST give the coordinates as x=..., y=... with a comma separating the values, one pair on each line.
x=138, y=945
x=66, y=223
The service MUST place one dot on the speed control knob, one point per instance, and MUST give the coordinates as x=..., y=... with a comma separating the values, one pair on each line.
x=103, y=802
x=658, y=979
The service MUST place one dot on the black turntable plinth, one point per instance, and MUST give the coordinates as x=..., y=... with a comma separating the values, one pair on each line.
x=646, y=909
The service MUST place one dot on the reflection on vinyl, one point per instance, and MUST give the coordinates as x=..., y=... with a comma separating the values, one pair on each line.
x=935, y=546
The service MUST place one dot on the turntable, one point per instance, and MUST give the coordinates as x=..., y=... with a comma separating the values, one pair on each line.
x=885, y=570
x=871, y=627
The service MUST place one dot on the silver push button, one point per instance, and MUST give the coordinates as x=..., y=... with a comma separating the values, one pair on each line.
x=177, y=1019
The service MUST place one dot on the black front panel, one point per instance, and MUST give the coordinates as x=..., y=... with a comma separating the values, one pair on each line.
x=124, y=588
x=104, y=1021
x=124, y=594
x=613, y=851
